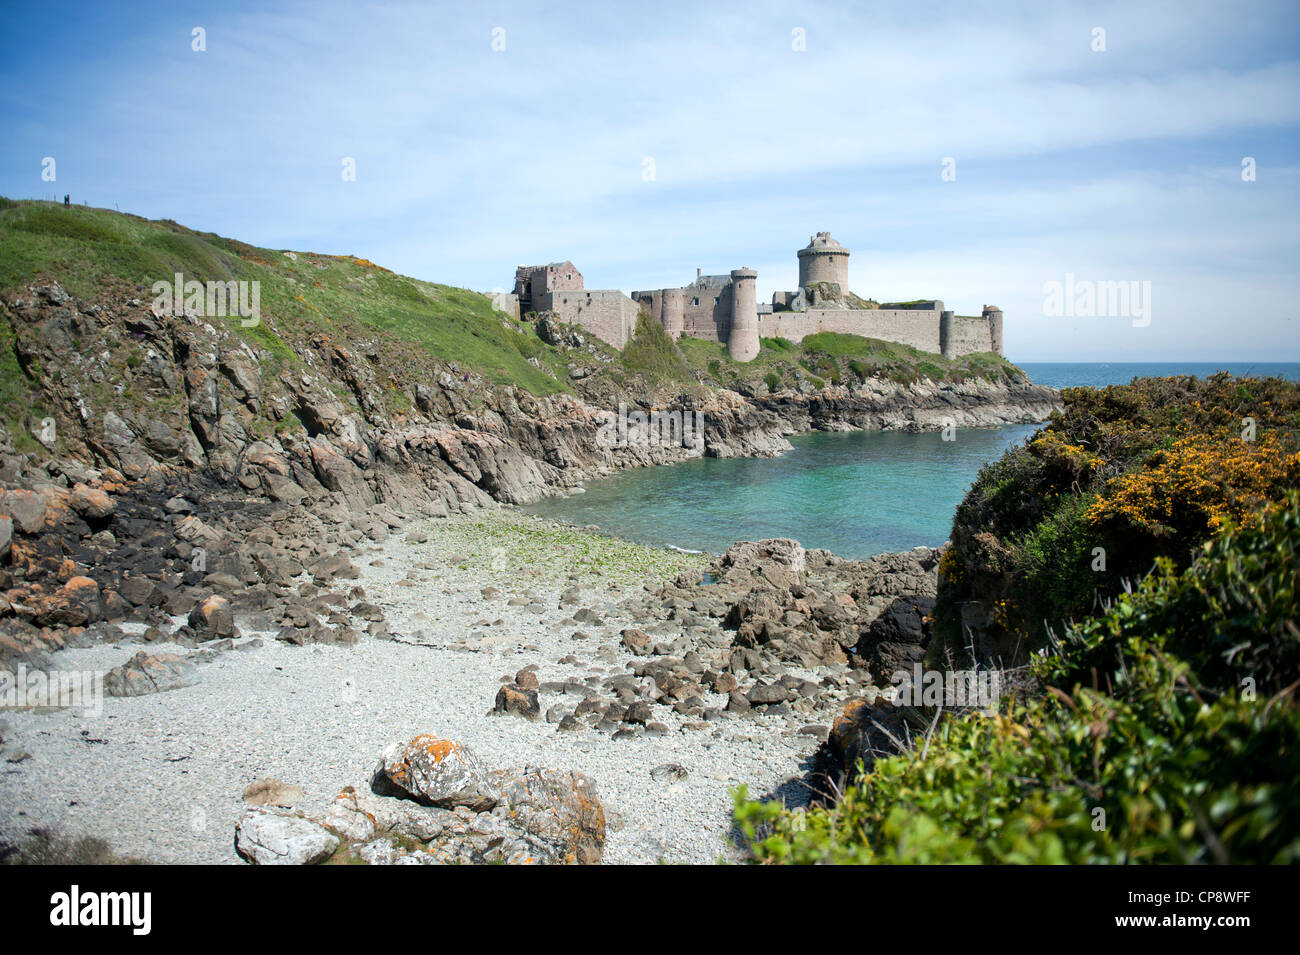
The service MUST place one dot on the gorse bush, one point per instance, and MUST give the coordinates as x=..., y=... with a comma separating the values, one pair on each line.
x=1126, y=475
x=1168, y=733
x=1231, y=617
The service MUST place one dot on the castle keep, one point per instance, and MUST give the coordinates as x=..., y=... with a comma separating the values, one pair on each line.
x=724, y=308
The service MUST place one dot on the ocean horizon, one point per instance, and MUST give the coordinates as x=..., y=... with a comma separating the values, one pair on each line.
x=1091, y=374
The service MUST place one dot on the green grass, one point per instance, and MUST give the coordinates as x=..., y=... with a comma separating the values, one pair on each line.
x=417, y=327
x=20, y=404
x=652, y=353
x=89, y=251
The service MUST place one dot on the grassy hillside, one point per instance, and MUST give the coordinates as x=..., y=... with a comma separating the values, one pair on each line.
x=88, y=250
x=107, y=257
x=833, y=358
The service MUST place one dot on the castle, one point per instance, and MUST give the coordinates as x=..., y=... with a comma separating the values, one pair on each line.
x=724, y=308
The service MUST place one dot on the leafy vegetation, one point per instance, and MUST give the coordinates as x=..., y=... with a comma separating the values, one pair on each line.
x=1126, y=475
x=652, y=352
x=1169, y=733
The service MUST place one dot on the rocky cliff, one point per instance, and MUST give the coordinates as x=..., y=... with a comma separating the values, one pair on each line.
x=128, y=388
x=159, y=436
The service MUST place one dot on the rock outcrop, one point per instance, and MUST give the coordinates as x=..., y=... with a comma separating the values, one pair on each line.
x=433, y=803
x=216, y=472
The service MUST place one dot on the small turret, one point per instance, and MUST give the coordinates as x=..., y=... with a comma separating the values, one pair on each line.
x=742, y=342
x=672, y=312
x=945, y=334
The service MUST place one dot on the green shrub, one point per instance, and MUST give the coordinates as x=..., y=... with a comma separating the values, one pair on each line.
x=1141, y=471
x=1146, y=748
x=652, y=352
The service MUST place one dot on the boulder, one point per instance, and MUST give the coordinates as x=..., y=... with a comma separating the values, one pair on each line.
x=141, y=592
x=27, y=508
x=435, y=772
x=636, y=642
x=76, y=604
x=150, y=673
x=266, y=837
x=91, y=503
x=213, y=618
x=561, y=808
x=514, y=699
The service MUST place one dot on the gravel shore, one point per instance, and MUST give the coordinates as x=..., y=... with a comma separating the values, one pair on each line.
x=161, y=776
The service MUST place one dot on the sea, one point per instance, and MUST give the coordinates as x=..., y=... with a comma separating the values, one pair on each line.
x=854, y=493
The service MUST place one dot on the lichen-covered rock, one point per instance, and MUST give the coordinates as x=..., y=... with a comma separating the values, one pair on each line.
x=27, y=508
x=91, y=503
x=270, y=837
x=75, y=604
x=533, y=817
x=561, y=808
x=150, y=673
x=213, y=618
x=514, y=699
x=409, y=820
x=435, y=772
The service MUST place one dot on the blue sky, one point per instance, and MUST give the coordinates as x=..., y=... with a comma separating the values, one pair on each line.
x=1115, y=165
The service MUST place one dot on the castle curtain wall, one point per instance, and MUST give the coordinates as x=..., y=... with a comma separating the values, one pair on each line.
x=606, y=313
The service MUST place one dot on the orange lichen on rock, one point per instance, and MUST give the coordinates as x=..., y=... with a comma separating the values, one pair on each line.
x=435, y=746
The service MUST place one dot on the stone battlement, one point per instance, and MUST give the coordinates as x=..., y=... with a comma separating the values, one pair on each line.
x=722, y=308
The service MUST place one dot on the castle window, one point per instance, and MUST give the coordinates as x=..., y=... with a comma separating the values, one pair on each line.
x=696, y=302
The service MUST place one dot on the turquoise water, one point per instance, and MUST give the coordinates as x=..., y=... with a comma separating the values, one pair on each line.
x=856, y=493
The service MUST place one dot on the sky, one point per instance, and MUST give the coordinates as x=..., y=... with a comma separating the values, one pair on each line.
x=971, y=152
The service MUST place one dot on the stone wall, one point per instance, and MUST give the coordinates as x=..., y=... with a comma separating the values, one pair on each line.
x=504, y=302
x=606, y=313
x=970, y=333
x=917, y=328
x=700, y=311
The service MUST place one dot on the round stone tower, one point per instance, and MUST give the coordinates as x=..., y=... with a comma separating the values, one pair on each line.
x=672, y=312
x=993, y=315
x=824, y=260
x=945, y=334
x=742, y=343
